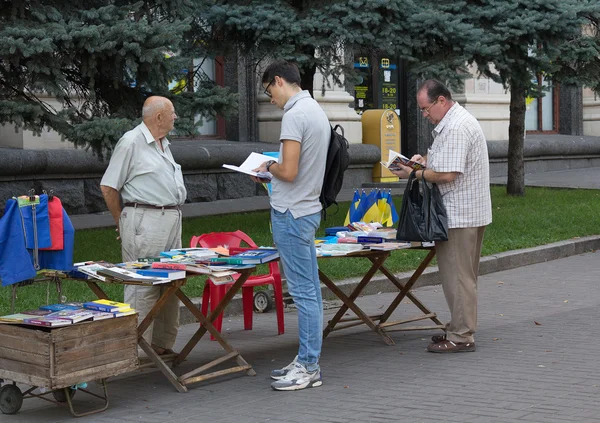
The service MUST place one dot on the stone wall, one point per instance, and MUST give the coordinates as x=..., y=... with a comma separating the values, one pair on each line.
x=544, y=153
x=74, y=175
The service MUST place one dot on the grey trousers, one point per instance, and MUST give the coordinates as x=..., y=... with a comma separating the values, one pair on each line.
x=458, y=261
x=146, y=233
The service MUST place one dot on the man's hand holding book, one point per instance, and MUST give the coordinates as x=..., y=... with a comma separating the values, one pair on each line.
x=402, y=166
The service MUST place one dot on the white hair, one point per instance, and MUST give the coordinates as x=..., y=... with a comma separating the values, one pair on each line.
x=154, y=106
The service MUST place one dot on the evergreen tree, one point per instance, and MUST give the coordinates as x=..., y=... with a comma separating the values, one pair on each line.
x=430, y=35
x=525, y=38
x=99, y=60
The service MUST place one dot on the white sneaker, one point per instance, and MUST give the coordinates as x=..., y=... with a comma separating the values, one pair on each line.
x=298, y=378
x=280, y=373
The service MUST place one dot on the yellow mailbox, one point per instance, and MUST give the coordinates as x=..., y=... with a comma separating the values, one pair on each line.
x=382, y=128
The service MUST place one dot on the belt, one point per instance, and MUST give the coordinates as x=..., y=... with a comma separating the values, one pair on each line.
x=151, y=206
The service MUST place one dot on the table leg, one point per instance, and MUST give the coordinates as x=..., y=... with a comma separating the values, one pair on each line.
x=349, y=301
x=96, y=289
x=161, y=365
x=206, y=325
x=143, y=326
x=405, y=292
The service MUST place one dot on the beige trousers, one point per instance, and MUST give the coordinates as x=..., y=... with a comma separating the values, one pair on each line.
x=146, y=233
x=458, y=261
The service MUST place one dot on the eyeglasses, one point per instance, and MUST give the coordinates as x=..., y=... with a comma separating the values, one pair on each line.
x=426, y=109
x=267, y=92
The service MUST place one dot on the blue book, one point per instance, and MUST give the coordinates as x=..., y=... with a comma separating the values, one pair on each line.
x=370, y=240
x=335, y=229
x=257, y=256
x=59, y=307
x=171, y=274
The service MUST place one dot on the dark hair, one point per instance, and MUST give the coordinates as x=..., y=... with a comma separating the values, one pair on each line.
x=434, y=89
x=286, y=70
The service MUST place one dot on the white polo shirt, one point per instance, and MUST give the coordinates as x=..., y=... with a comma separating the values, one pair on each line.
x=142, y=172
x=304, y=121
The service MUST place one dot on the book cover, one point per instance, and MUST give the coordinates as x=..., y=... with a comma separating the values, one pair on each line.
x=150, y=259
x=47, y=321
x=101, y=315
x=256, y=256
x=171, y=274
x=388, y=246
x=106, y=306
x=124, y=275
x=37, y=312
x=126, y=312
x=16, y=318
x=59, y=307
x=175, y=266
x=92, y=270
x=395, y=158
x=75, y=316
x=134, y=265
x=253, y=161
x=369, y=240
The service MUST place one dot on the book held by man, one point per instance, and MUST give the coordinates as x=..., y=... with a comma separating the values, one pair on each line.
x=253, y=161
x=395, y=158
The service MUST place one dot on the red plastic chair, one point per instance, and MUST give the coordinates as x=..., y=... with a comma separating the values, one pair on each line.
x=214, y=293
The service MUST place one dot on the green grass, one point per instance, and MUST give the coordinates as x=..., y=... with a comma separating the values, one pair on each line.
x=540, y=217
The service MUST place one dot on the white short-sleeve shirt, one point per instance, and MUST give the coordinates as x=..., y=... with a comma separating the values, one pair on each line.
x=304, y=121
x=142, y=172
x=459, y=146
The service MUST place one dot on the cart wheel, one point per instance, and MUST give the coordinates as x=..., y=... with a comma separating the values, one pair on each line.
x=59, y=394
x=262, y=302
x=11, y=399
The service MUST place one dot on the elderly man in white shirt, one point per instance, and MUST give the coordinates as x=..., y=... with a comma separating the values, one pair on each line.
x=143, y=172
x=458, y=163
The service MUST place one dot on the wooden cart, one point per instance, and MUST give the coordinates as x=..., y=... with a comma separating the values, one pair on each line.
x=53, y=360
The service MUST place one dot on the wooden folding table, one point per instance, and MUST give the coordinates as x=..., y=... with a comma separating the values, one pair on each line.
x=199, y=374
x=378, y=258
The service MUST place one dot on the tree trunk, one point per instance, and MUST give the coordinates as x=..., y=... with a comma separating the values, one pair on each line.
x=307, y=72
x=516, y=133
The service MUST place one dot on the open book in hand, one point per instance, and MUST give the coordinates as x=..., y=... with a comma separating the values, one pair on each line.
x=395, y=158
x=253, y=161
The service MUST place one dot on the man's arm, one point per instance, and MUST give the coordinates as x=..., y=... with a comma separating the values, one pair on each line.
x=112, y=198
x=287, y=169
x=430, y=175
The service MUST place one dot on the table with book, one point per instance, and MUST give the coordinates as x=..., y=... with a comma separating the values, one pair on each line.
x=375, y=244
x=171, y=269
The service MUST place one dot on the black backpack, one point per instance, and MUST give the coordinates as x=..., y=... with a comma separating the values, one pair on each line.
x=338, y=160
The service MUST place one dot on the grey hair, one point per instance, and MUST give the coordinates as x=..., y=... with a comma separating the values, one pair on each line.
x=151, y=107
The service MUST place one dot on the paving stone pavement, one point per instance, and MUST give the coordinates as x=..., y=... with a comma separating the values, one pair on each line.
x=535, y=362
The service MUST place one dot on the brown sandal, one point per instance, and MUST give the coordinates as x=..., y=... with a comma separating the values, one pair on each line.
x=447, y=346
x=438, y=338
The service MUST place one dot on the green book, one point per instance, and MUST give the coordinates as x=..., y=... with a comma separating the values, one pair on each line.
x=149, y=260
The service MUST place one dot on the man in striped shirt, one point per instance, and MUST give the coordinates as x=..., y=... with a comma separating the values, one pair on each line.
x=458, y=163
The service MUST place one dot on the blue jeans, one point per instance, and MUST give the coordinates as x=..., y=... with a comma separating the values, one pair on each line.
x=295, y=240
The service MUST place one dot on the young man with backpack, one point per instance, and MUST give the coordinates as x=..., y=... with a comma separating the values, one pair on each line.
x=296, y=214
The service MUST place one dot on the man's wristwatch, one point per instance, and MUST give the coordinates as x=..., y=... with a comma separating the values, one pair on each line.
x=269, y=163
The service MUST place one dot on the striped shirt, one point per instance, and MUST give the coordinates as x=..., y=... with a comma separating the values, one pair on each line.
x=459, y=146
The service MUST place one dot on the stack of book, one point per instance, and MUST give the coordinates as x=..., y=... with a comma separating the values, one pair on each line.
x=107, y=306
x=255, y=256
x=107, y=272
x=57, y=315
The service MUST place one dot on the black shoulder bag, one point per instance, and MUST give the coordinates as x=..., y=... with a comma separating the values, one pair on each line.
x=423, y=215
